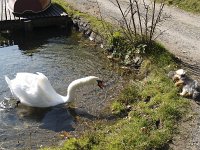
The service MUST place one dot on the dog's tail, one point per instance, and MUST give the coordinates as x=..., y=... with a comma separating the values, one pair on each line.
x=196, y=95
x=196, y=86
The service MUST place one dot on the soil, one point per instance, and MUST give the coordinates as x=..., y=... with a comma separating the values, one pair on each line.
x=181, y=38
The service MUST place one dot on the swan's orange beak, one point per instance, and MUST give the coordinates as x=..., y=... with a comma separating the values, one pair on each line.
x=100, y=84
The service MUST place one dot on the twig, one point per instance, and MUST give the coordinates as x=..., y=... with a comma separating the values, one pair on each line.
x=160, y=34
x=152, y=20
x=158, y=17
x=138, y=12
x=146, y=19
x=125, y=20
x=104, y=26
x=132, y=17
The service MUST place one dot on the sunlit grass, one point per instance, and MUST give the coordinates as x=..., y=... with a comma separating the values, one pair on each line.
x=97, y=24
x=189, y=5
x=141, y=123
x=147, y=124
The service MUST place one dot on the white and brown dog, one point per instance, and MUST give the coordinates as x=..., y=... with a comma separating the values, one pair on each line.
x=190, y=87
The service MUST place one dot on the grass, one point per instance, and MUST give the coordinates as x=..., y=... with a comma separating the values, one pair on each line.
x=146, y=125
x=96, y=24
x=139, y=124
x=188, y=5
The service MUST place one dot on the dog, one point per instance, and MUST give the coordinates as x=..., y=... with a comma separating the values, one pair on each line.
x=190, y=88
x=176, y=75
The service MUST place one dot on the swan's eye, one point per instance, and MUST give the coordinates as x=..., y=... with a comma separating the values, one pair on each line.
x=100, y=84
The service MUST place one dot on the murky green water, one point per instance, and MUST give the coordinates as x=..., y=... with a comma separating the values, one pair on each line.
x=62, y=58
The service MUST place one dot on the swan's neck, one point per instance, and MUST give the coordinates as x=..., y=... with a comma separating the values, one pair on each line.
x=73, y=86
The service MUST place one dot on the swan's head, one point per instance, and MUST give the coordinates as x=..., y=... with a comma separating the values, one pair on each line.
x=95, y=80
x=100, y=84
x=89, y=80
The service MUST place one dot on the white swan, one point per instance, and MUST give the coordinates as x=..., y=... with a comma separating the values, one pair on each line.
x=35, y=89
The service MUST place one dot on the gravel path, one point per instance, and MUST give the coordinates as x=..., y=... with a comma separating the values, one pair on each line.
x=182, y=38
x=182, y=35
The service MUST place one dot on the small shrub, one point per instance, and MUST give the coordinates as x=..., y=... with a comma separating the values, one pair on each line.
x=117, y=107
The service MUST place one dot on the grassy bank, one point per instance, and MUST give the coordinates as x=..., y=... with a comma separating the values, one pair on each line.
x=188, y=5
x=96, y=24
x=146, y=112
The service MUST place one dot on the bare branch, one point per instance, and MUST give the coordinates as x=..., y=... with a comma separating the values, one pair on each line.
x=138, y=12
x=132, y=16
x=125, y=20
x=160, y=34
x=146, y=19
x=152, y=20
x=127, y=11
x=157, y=20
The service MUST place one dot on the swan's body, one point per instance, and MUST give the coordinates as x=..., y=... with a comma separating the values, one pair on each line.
x=35, y=89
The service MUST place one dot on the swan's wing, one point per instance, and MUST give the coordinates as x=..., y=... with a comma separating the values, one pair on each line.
x=44, y=85
x=24, y=87
x=27, y=82
x=33, y=83
x=34, y=90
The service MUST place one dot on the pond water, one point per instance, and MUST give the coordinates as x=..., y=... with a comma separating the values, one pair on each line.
x=62, y=57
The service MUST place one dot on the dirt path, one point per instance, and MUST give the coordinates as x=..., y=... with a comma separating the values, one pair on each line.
x=183, y=29
x=183, y=35
x=182, y=38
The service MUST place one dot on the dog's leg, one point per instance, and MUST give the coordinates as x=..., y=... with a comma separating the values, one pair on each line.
x=184, y=92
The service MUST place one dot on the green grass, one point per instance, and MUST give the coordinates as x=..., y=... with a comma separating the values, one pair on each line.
x=138, y=128
x=145, y=125
x=189, y=5
x=98, y=25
